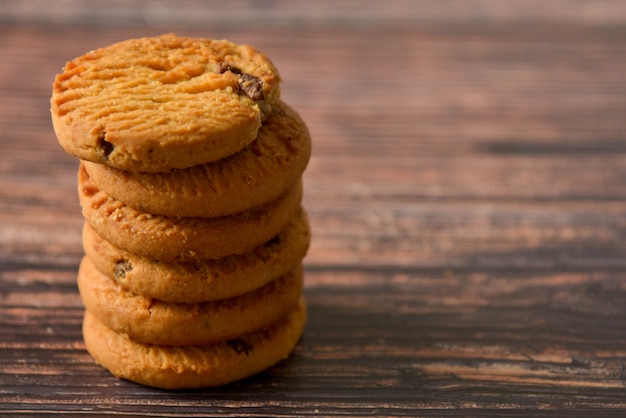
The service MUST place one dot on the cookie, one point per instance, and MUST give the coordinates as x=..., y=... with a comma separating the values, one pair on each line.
x=184, y=239
x=204, y=280
x=172, y=367
x=259, y=173
x=155, y=104
x=152, y=321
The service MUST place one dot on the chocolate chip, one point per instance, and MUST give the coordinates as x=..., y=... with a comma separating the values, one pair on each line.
x=121, y=268
x=105, y=147
x=274, y=241
x=248, y=84
x=240, y=346
x=222, y=67
x=251, y=86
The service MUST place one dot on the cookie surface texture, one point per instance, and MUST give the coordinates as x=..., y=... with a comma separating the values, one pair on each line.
x=204, y=280
x=160, y=103
x=152, y=321
x=259, y=173
x=171, y=367
x=184, y=239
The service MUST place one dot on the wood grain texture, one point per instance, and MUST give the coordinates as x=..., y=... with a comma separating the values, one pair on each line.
x=466, y=193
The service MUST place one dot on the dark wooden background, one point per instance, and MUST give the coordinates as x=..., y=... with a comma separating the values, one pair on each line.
x=467, y=194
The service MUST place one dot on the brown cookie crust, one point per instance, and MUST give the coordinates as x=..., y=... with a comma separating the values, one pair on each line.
x=204, y=280
x=259, y=173
x=154, y=104
x=184, y=239
x=151, y=321
x=171, y=367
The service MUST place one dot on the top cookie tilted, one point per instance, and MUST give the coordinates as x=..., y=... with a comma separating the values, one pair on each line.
x=155, y=104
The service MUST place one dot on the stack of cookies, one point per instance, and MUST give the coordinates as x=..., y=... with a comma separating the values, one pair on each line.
x=190, y=183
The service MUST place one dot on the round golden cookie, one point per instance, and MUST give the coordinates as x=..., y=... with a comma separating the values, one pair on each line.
x=184, y=239
x=204, y=280
x=154, y=104
x=151, y=321
x=259, y=173
x=172, y=367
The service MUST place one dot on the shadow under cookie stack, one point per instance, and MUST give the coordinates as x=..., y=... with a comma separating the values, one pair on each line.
x=190, y=183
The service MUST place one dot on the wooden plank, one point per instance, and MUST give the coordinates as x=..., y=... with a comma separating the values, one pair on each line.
x=429, y=338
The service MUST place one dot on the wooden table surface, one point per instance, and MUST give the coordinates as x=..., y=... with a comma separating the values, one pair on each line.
x=467, y=194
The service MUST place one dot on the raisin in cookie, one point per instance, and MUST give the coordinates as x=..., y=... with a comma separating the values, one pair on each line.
x=259, y=173
x=172, y=367
x=155, y=104
x=205, y=280
x=184, y=239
